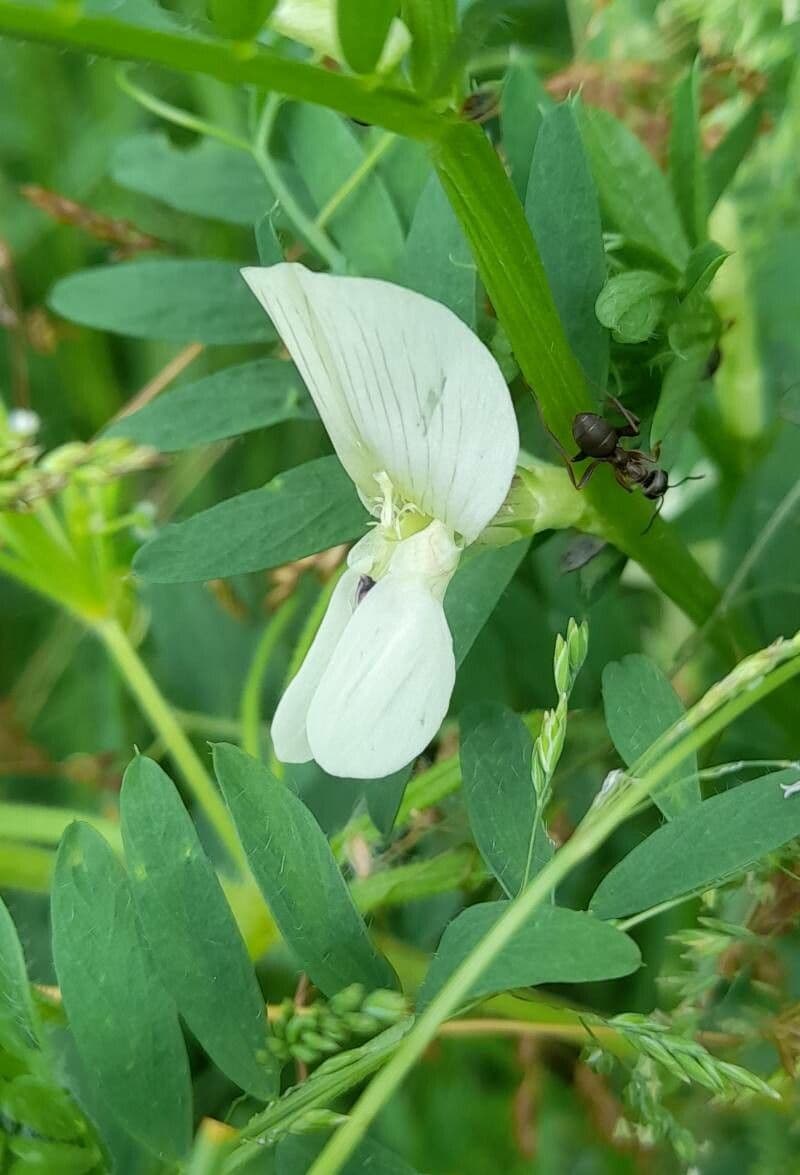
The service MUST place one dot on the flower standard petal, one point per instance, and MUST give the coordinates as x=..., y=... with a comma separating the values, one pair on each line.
x=403, y=387
x=388, y=685
x=288, y=728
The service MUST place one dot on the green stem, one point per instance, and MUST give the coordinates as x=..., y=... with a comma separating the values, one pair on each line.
x=228, y=61
x=329, y=210
x=176, y=115
x=330, y=1081
x=310, y=230
x=251, y=694
x=158, y=710
x=512, y=271
x=44, y=825
x=747, y=684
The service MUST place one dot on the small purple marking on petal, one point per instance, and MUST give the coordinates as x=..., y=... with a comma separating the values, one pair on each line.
x=365, y=583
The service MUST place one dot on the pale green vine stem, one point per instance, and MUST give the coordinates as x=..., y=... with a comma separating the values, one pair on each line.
x=750, y=681
x=307, y=228
x=251, y=694
x=178, y=116
x=157, y=709
x=350, y=185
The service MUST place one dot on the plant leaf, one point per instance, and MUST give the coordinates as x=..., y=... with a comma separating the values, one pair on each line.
x=686, y=163
x=295, y=870
x=524, y=102
x=713, y=841
x=18, y=1032
x=437, y=260
x=240, y=19
x=562, y=209
x=723, y=162
x=210, y=179
x=178, y=301
x=475, y=591
x=124, y=1024
x=297, y=1152
x=192, y=934
x=302, y=511
x=327, y=152
x=405, y=169
x=383, y=798
x=556, y=946
x=362, y=27
x=225, y=404
x=640, y=704
x=631, y=304
x=634, y=195
x=496, y=749
x=677, y=402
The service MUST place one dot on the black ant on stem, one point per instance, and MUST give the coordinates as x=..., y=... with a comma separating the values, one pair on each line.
x=599, y=442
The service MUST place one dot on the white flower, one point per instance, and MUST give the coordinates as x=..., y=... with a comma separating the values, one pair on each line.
x=421, y=419
x=313, y=23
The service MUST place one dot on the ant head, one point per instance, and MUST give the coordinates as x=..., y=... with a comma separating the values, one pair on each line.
x=656, y=485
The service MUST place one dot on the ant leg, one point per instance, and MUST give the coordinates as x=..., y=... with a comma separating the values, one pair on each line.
x=579, y=456
x=621, y=480
x=633, y=425
x=589, y=471
x=654, y=515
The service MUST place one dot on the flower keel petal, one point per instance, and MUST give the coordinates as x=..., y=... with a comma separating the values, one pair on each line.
x=289, y=723
x=388, y=685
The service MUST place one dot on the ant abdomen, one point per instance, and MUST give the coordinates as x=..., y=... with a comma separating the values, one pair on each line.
x=594, y=435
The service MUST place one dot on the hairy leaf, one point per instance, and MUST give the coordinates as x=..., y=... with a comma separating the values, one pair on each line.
x=555, y=946
x=634, y=195
x=496, y=749
x=298, y=513
x=640, y=704
x=124, y=1024
x=713, y=841
x=437, y=260
x=298, y=876
x=562, y=209
x=194, y=939
x=179, y=301
x=225, y=404
x=211, y=179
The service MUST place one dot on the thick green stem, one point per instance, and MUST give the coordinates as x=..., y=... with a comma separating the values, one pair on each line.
x=511, y=269
x=160, y=714
x=749, y=682
x=228, y=61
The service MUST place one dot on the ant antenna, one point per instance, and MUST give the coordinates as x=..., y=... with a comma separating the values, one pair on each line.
x=654, y=515
x=689, y=477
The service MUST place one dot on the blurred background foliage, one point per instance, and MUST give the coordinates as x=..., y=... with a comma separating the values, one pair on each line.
x=88, y=176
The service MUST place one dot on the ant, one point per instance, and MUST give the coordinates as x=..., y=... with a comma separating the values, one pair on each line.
x=600, y=441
